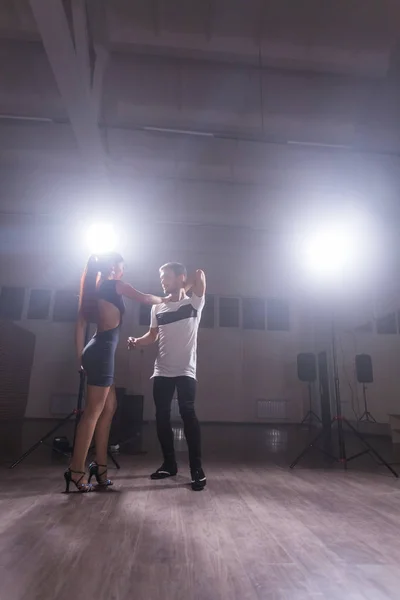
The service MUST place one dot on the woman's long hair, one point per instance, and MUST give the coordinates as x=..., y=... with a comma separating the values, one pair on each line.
x=96, y=267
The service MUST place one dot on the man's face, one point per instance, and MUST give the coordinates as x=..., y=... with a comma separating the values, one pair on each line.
x=170, y=282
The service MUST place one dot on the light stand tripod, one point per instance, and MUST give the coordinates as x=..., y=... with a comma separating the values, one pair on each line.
x=340, y=421
x=311, y=415
x=366, y=417
x=44, y=438
x=77, y=412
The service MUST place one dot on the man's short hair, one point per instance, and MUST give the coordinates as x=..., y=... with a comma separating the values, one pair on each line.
x=176, y=267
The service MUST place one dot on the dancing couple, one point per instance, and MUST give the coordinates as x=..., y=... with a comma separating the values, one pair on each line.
x=174, y=324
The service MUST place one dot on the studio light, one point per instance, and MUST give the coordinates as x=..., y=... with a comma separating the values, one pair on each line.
x=338, y=252
x=330, y=251
x=101, y=237
x=339, y=249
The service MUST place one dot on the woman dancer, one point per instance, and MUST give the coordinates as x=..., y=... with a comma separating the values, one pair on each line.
x=100, y=302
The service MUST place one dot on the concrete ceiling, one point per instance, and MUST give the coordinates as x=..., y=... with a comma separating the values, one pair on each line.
x=336, y=36
x=278, y=93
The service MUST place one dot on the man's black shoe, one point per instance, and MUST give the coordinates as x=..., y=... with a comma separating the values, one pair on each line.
x=165, y=471
x=199, y=480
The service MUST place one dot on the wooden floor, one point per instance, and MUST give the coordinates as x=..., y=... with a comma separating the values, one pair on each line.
x=259, y=531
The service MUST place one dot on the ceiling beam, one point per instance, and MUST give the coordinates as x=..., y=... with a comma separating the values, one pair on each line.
x=69, y=67
x=155, y=16
x=98, y=30
x=81, y=38
x=209, y=19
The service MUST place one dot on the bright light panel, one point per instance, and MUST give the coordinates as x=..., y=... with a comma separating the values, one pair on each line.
x=101, y=238
x=331, y=251
x=340, y=249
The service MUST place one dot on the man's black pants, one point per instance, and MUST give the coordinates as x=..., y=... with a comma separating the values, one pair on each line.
x=163, y=392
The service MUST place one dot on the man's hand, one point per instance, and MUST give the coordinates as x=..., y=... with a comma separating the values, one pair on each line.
x=132, y=343
x=148, y=338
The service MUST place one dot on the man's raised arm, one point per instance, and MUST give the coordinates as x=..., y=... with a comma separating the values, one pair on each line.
x=197, y=283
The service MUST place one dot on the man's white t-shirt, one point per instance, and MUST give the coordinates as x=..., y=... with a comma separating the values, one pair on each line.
x=178, y=324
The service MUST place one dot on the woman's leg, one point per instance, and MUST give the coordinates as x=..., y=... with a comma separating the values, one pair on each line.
x=102, y=432
x=95, y=400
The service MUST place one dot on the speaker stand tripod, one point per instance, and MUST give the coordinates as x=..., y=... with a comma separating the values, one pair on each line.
x=340, y=422
x=311, y=415
x=366, y=417
x=77, y=413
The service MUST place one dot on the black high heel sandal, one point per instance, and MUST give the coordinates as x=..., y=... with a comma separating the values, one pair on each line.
x=83, y=488
x=95, y=472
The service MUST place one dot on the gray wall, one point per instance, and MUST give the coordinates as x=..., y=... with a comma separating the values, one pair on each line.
x=236, y=366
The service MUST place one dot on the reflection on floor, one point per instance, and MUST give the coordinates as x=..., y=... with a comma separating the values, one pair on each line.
x=258, y=531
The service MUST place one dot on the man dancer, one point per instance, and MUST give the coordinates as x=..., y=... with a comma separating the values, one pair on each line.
x=175, y=324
